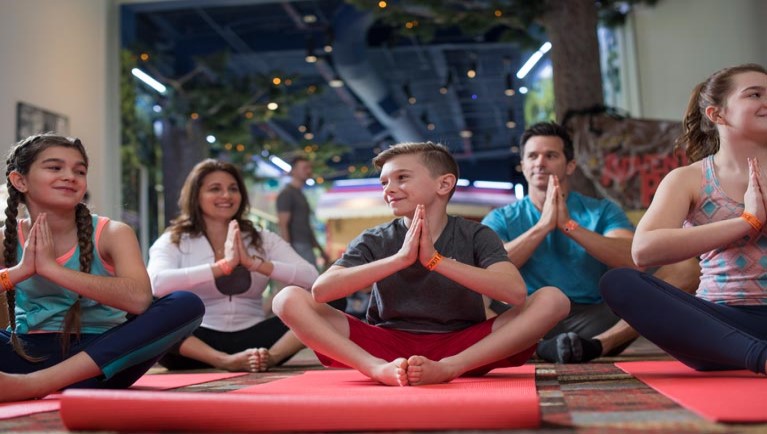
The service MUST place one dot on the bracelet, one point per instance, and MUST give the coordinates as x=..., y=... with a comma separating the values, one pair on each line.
x=434, y=261
x=570, y=225
x=752, y=220
x=5, y=280
x=224, y=266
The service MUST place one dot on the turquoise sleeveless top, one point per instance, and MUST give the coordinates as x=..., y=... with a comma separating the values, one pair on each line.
x=42, y=305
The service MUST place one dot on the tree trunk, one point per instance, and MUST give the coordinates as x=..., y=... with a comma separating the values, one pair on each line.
x=182, y=148
x=571, y=26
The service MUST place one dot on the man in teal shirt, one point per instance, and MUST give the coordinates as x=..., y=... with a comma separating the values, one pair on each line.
x=557, y=237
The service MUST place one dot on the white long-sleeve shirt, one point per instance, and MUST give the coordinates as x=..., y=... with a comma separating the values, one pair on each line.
x=187, y=266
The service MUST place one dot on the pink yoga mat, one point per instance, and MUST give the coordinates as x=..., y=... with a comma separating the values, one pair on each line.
x=147, y=382
x=10, y=410
x=505, y=398
x=720, y=396
x=172, y=381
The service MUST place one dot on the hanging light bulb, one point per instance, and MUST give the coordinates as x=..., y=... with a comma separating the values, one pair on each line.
x=448, y=82
x=509, y=91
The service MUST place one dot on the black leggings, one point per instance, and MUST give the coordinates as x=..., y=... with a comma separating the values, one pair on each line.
x=263, y=334
x=703, y=335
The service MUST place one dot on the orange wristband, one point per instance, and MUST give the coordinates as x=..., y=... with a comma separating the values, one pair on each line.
x=570, y=225
x=434, y=261
x=752, y=220
x=224, y=266
x=5, y=280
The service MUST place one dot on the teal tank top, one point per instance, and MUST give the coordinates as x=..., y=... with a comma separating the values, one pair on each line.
x=42, y=305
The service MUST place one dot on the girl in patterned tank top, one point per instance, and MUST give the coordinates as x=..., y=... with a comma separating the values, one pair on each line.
x=713, y=209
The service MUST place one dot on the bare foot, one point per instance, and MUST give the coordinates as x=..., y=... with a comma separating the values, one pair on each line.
x=421, y=370
x=261, y=360
x=244, y=361
x=393, y=373
x=19, y=387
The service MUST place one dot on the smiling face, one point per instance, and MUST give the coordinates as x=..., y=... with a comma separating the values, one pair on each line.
x=544, y=156
x=219, y=196
x=57, y=178
x=745, y=109
x=407, y=182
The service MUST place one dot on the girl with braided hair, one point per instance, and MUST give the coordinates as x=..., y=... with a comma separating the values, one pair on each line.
x=71, y=279
x=714, y=209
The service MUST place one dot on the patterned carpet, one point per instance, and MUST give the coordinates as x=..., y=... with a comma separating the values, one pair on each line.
x=584, y=399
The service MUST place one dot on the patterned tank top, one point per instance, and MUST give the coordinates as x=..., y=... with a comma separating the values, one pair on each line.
x=735, y=274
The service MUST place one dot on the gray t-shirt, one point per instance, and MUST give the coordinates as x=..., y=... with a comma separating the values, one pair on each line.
x=415, y=299
x=292, y=200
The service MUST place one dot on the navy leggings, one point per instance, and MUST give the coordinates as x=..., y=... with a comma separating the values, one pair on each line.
x=703, y=335
x=124, y=353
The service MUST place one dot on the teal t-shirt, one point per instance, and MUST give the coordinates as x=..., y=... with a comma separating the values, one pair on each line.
x=559, y=261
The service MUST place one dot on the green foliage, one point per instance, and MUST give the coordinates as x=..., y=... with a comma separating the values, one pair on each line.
x=230, y=105
x=517, y=20
x=539, y=102
x=513, y=19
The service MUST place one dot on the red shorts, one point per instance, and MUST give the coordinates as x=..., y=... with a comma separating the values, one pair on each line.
x=389, y=344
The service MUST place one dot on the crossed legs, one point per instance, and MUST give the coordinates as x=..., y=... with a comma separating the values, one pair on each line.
x=327, y=331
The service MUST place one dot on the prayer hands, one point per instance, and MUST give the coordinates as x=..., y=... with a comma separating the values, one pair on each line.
x=38, y=256
x=240, y=253
x=418, y=245
x=755, y=198
x=554, y=213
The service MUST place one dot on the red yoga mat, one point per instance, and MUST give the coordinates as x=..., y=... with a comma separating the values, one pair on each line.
x=342, y=400
x=147, y=382
x=720, y=396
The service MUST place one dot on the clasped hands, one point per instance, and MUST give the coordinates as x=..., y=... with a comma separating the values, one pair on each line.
x=755, y=198
x=235, y=251
x=418, y=245
x=38, y=256
x=554, y=213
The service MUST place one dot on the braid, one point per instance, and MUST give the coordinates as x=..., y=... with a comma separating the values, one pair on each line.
x=10, y=243
x=84, y=223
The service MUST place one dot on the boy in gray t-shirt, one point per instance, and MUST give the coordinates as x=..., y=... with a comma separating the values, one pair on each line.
x=429, y=272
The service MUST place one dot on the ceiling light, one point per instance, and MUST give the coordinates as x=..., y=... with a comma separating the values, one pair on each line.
x=448, y=82
x=148, y=80
x=310, y=56
x=408, y=94
x=336, y=82
x=509, y=91
x=310, y=19
x=272, y=106
x=466, y=134
x=534, y=58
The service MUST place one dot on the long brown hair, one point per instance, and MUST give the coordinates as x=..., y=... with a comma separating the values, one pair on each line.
x=700, y=137
x=190, y=219
x=20, y=159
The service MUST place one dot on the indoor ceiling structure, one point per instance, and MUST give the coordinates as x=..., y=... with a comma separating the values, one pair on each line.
x=392, y=89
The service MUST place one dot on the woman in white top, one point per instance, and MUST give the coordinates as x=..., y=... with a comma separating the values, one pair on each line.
x=211, y=249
